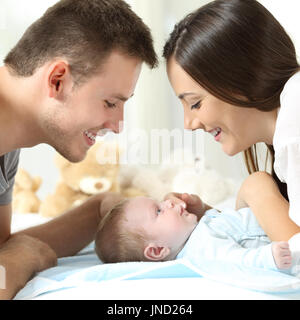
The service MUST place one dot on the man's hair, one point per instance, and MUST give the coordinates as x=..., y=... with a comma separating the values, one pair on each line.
x=84, y=32
x=114, y=242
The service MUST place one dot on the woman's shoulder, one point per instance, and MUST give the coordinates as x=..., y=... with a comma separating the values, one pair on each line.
x=288, y=120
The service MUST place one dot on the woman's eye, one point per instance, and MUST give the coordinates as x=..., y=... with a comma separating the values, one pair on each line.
x=197, y=105
x=110, y=104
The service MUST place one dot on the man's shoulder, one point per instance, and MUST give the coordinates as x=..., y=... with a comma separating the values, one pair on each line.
x=11, y=156
x=8, y=169
x=13, y=153
x=9, y=162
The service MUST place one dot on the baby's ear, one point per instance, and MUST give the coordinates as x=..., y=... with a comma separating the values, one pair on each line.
x=156, y=253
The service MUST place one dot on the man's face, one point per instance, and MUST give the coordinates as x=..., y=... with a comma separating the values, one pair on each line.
x=71, y=125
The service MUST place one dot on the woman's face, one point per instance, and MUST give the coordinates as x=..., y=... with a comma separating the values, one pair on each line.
x=236, y=128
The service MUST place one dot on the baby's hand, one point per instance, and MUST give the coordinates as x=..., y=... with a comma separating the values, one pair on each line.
x=282, y=254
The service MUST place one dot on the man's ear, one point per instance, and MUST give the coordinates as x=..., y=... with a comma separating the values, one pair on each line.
x=59, y=79
x=155, y=252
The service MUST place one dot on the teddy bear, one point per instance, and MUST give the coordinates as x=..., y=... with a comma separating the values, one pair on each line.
x=25, y=199
x=183, y=172
x=101, y=171
x=97, y=173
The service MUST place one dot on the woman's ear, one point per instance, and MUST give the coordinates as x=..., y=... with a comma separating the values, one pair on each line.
x=156, y=253
x=59, y=79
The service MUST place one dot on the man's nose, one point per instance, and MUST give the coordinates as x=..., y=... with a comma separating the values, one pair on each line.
x=116, y=124
x=117, y=127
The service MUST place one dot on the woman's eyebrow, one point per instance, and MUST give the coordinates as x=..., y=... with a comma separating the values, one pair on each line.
x=183, y=95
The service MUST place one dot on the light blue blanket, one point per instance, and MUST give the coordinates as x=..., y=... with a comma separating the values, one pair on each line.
x=85, y=268
x=229, y=247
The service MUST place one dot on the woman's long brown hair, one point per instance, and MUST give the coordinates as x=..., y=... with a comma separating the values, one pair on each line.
x=250, y=158
x=237, y=51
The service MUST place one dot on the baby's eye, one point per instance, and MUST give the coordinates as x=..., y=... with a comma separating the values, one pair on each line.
x=158, y=211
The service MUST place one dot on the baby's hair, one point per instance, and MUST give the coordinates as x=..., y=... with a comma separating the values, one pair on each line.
x=114, y=242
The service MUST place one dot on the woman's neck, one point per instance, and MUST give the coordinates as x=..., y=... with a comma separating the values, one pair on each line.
x=267, y=126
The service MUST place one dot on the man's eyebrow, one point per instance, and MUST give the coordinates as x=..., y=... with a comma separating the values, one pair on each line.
x=183, y=95
x=121, y=97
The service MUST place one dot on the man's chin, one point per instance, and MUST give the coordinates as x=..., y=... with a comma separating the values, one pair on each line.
x=73, y=157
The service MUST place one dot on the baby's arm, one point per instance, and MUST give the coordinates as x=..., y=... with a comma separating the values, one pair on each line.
x=218, y=246
x=260, y=192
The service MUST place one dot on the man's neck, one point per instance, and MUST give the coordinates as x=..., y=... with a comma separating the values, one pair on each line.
x=16, y=122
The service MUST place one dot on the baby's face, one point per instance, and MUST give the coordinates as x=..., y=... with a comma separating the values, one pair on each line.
x=168, y=224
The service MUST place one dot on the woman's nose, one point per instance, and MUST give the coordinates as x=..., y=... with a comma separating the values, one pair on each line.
x=192, y=123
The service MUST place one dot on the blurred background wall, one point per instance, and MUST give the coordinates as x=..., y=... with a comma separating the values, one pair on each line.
x=154, y=104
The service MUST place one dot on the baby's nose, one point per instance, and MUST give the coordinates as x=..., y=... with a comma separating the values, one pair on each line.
x=169, y=204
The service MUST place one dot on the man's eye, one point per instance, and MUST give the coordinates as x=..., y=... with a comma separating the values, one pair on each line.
x=197, y=105
x=110, y=104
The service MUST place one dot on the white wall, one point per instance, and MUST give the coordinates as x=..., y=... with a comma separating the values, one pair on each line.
x=154, y=104
x=15, y=17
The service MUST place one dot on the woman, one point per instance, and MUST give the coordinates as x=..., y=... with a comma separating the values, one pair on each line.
x=234, y=68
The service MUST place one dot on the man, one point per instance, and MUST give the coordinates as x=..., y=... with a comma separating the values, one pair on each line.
x=67, y=78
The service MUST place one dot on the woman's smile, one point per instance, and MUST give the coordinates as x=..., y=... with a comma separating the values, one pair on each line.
x=216, y=133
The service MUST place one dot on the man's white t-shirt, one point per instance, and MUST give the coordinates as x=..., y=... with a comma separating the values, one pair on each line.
x=286, y=143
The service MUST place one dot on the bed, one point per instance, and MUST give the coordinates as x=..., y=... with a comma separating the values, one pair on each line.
x=84, y=277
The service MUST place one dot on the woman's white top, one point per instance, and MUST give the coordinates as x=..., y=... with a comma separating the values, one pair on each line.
x=286, y=143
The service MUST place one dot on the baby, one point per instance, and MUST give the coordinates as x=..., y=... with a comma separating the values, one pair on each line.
x=142, y=229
